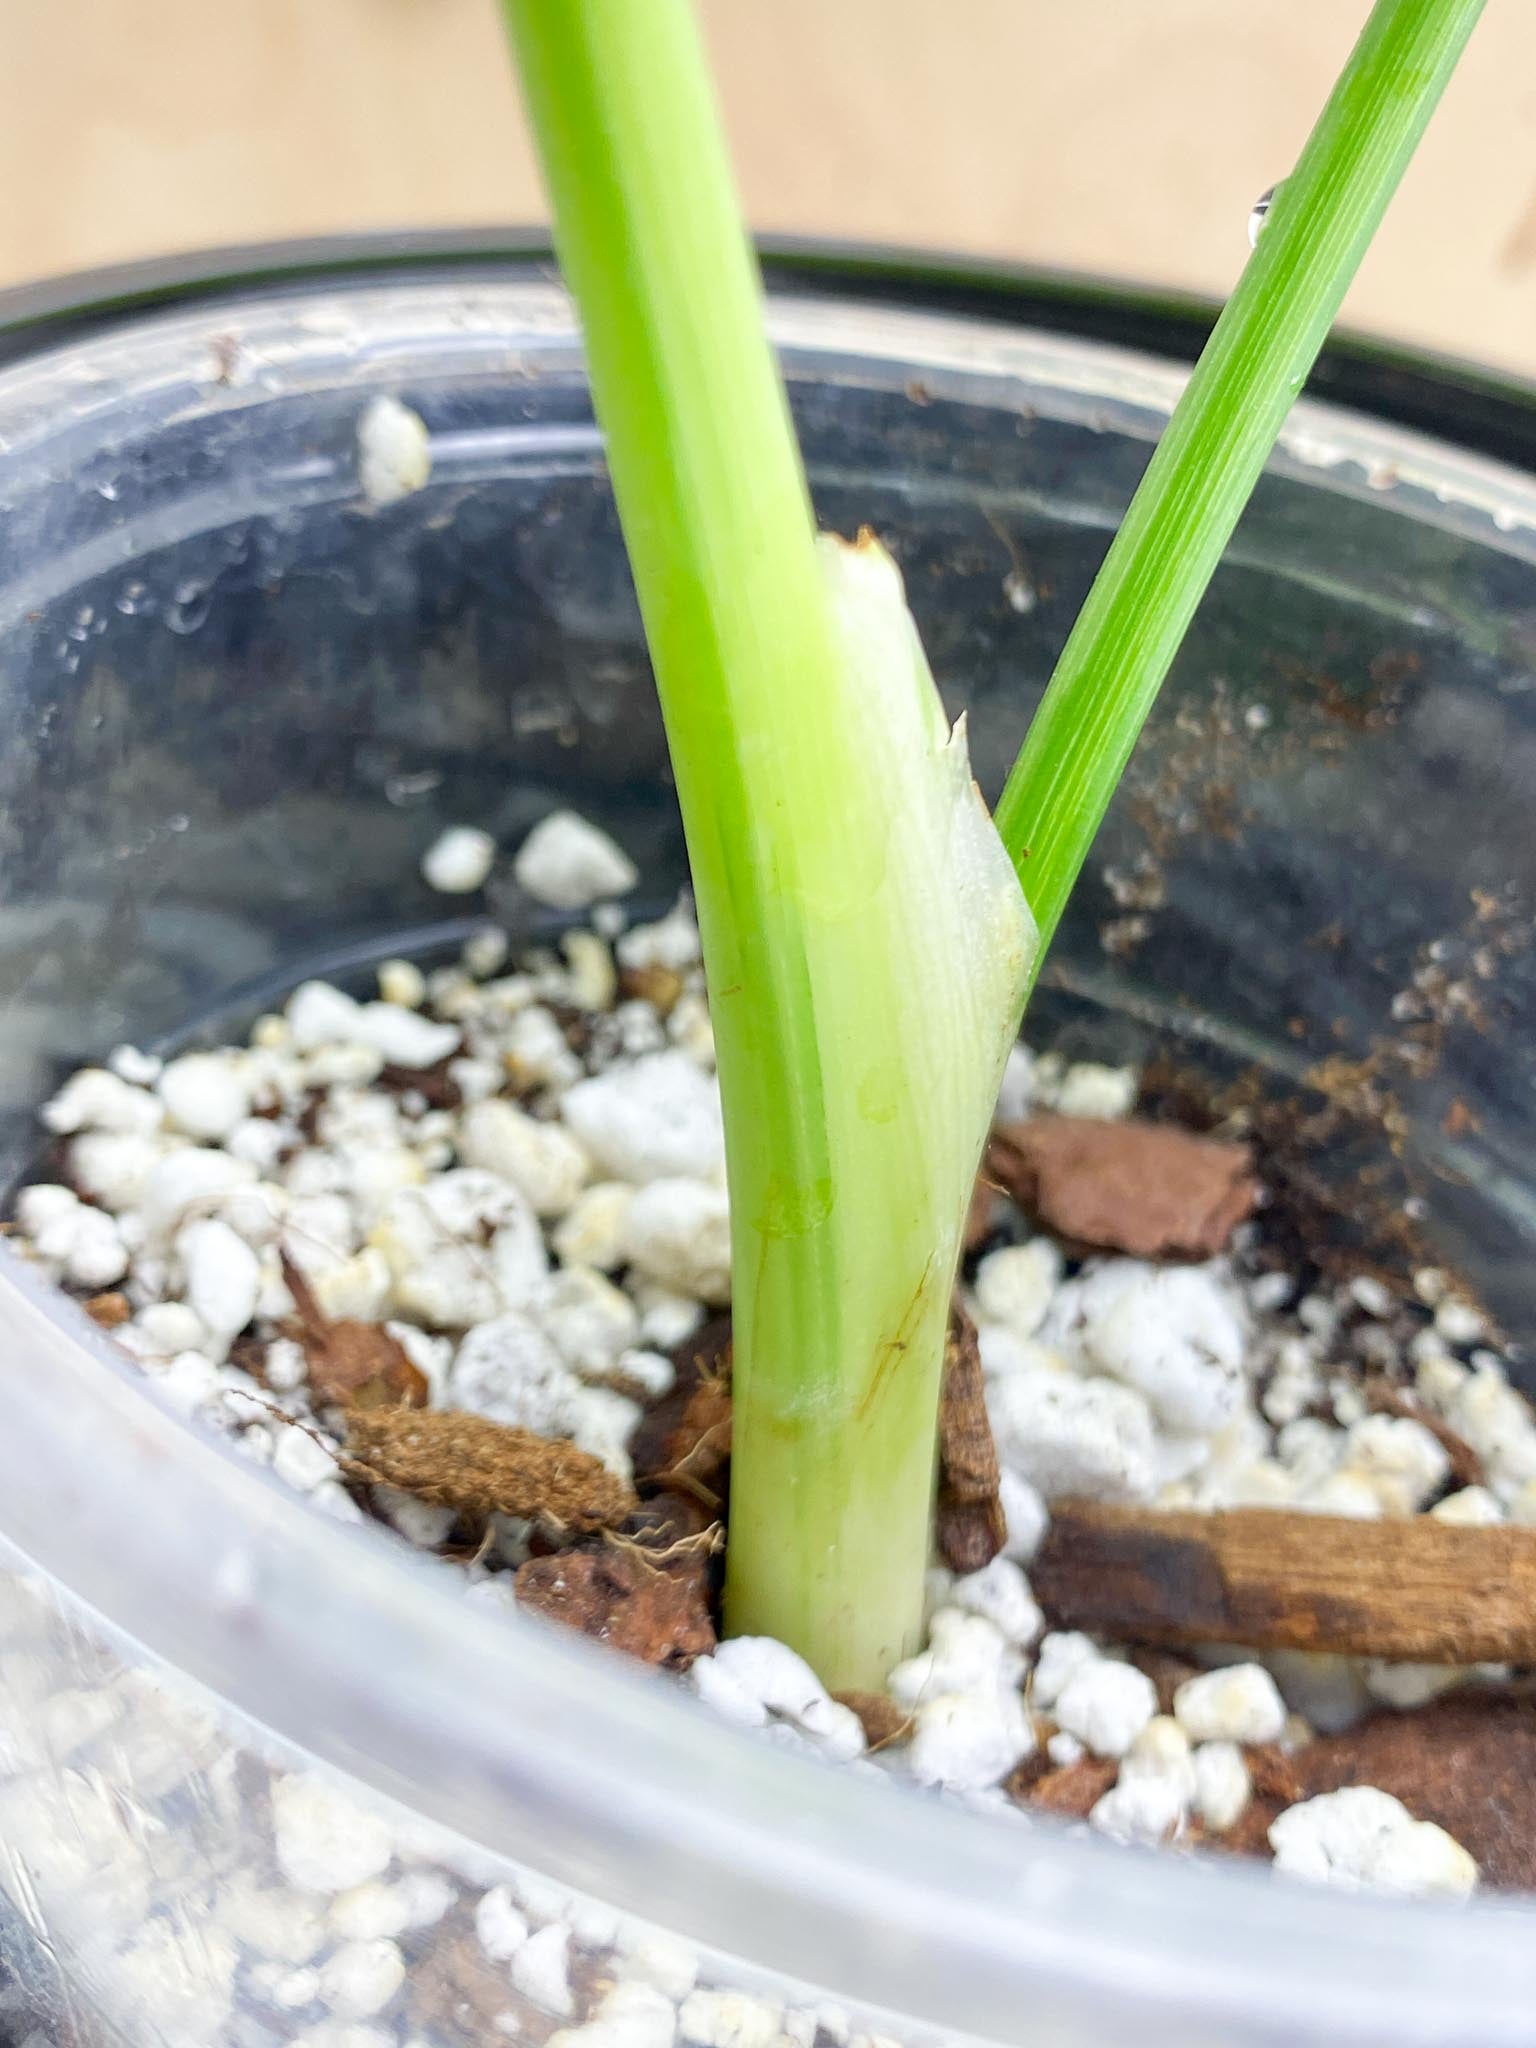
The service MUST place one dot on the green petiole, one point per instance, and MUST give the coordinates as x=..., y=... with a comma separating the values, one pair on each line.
x=1203, y=470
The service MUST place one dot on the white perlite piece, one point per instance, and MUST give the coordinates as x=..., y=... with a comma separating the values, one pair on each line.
x=223, y=1277
x=1405, y=1462
x=509, y=1370
x=656, y=1119
x=965, y=1654
x=73, y=1241
x=461, y=1249
x=319, y=1016
x=325, y=1842
x=206, y=1094
x=188, y=1182
x=671, y=942
x=542, y=1160
x=1238, y=1703
x=1405, y=1686
x=394, y=451
x=361, y=1977
x=592, y=1231
x=729, y=2019
x=1087, y=1089
x=1473, y=1507
x=568, y=863
x=968, y=1741
x=1170, y=1332
x=375, y=1910
x=541, y=1970
x=499, y=1927
x=1106, y=1705
x=343, y=2034
x=1360, y=1838
x=95, y=1100
x=755, y=1680
x=1061, y=1655
x=660, y=1960
x=591, y=1322
x=678, y=1234
x=1147, y=1809
x=458, y=860
x=1162, y=1750
x=1014, y=1286
x=1222, y=1785
x=627, y=2015
x=402, y=982
x=1025, y=1514
x=1070, y=1436
x=1000, y=1593
x=130, y=1064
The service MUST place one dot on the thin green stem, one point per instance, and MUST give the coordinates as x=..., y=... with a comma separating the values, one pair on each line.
x=1221, y=434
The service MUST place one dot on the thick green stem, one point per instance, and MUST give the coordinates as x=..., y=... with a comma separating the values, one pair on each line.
x=1207, y=463
x=864, y=940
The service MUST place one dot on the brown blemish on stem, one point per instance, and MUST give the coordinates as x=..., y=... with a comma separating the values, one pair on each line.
x=893, y=1349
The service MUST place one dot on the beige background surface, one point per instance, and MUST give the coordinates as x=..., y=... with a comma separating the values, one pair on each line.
x=1121, y=136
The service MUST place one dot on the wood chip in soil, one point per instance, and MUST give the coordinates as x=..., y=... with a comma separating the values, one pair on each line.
x=883, y=1720
x=109, y=1311
x=480, y=1467
x=351, y=1364
x=434, y=1084
x=1150, y=1190
x=981, y=1215
x=1419, y=1590
x=1070, y=1791
x=969, y=1525
x=683, y=1441
x=1167, y=1671
x=658, y=986
x=662, y=1519
x=616, y=1594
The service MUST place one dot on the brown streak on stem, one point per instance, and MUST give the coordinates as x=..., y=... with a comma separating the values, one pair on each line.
x=893, y=1349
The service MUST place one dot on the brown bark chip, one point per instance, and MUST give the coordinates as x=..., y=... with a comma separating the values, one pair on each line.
x=884, y=1721
x=355, y=1365
x=658, y=986
x=683, y=1441
x=482, y=1467
x=1418, y=1590
x=969, y=1517
x=969, y=1533
x=1070, y=1791
x=980, y=1215
x=1466, y=1762
x=662, y=1519
x=109, y=1311
x=1273, y=1774
x=658, y=1612
x=1147, y=1189
x=434, y=1084
x=1167, y=1671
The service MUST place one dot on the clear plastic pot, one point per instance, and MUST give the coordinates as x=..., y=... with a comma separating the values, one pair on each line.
x=236, y=704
